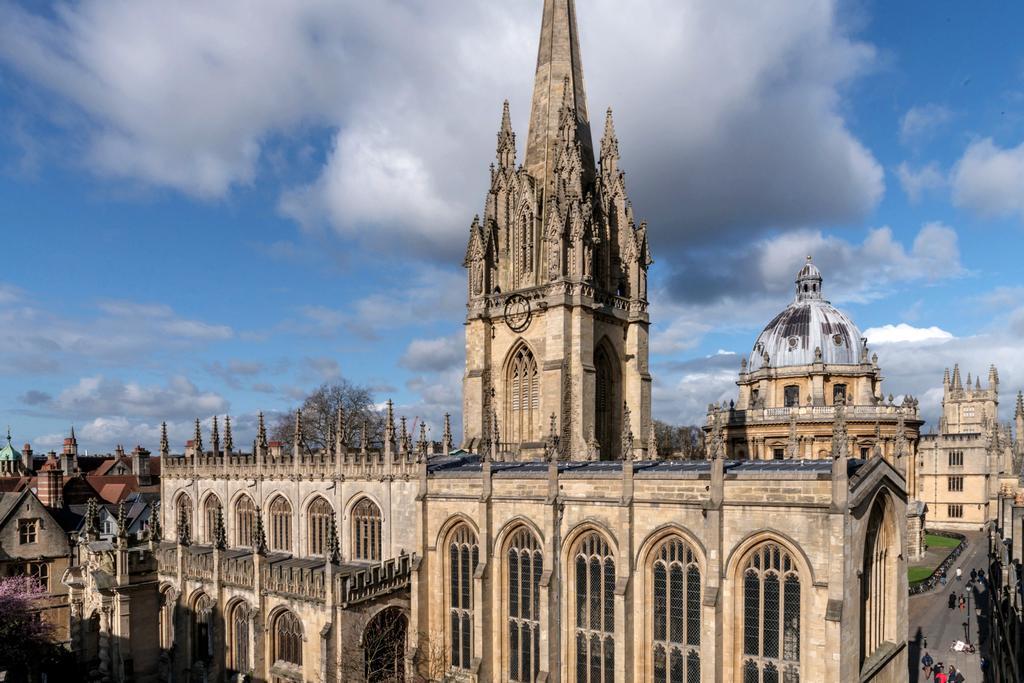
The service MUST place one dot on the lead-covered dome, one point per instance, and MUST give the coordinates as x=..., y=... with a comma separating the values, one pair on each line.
x=810, y=323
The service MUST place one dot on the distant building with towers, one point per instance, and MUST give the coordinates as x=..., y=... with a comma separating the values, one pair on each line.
x=972, y=457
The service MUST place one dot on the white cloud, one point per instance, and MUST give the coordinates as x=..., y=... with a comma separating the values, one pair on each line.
x=192, y=96
x=434, y=355
x=107, y=396
x=904, y=333
x=990, y=179
x=916, y=182
x=922, y=121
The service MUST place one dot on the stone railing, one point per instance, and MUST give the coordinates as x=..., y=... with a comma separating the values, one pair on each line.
x=735, y=416
x=196, y=565
x=237, y=571
x=350, y=464
x=376, y=580
x=299, y=582
x=563, y=287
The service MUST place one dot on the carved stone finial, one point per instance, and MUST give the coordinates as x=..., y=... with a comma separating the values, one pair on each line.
x=333, y=546
x=92, y=519
x=551, y=442
x=197, y=440
x=421, y=444
x=215, y=437
x=184, y=528
x=840, y=437
x=229, y=442
x=165, y=447
x=261, y=432
x=627, y=433
x=220, y=535
x=122, y=521
x=259, y=535
x=155, y=529
x=793, y=442
x=446, y=438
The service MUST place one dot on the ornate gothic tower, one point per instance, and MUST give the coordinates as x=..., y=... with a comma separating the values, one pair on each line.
x=557, y=323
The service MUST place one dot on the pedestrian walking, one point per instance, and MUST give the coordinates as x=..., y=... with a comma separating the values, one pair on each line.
x=959, y=573
x=963, y=603
x=926, y=665
x=941, y=678
x=974, y=575
x=942, y=578
x=952, y=600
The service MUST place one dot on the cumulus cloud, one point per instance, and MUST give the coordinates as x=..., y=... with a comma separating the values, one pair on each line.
x=990, y=179
x=923, y=121
x=750, y=134
x=904, y=333
x=916, y=182
x=434, y=355
x=34, y=397
x=108, y=396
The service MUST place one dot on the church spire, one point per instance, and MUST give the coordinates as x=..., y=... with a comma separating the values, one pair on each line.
x=558, y=68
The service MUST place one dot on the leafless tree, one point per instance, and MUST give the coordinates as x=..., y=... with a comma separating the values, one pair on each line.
x=320, y=415
x=685, y=442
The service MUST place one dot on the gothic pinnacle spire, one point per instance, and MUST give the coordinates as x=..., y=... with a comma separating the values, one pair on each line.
x=446, y=437
x=165, y=446
x=197, y=440
x=229, y=444
x=558, y=62
x=215, y=436
x=506, y=141
x=261, y=432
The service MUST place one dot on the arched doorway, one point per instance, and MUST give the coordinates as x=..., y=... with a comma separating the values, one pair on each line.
x=384, y=644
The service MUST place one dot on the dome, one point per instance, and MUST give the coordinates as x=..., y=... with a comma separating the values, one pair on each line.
x=9, y=452
x=792, y=338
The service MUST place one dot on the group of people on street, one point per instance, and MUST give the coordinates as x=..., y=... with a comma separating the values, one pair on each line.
x=937, y=671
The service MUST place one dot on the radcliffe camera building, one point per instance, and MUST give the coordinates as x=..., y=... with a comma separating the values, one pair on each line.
x=551, y=544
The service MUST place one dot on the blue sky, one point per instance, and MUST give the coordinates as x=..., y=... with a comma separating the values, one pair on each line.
x=214, y=209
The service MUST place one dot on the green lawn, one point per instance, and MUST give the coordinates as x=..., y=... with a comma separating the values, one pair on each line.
x=940, y=541
x=915, y=574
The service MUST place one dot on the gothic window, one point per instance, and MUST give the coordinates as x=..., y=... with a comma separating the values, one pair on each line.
x=238, y=658
x=184, y=512
x=771, y=616
x=318, y=525
x=594, y=614
x=878, y=581
x=525, y=565
x=281, y=525
x=792, y=396
x=245, y=521
x=384, y=644
x=287, y=639
x=606, y=404
x=524, y=250
x=676, y=593
x=202, y=631
x=523, y=397
x=838, y=393
x=211, y=506
x=463, y=555
x=166, y=619
x=366, y=528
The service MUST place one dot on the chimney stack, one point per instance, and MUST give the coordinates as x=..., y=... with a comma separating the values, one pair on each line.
x=50, y=486
x=140, y=465
x=26, y=458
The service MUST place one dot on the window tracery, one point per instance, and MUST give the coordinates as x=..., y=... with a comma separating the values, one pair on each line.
x=463, y=555
x=523, y=396
x=366, y=530
x=318, y=525
x=245, y=521
x=594, y=613
x=771, y=616
x=281, y=524
x=525, y=565
x=676, y=593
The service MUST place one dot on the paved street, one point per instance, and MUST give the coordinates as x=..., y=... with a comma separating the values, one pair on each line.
x=933, y=622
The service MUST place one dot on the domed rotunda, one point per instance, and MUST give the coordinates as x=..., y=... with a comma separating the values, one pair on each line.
x=808, y=360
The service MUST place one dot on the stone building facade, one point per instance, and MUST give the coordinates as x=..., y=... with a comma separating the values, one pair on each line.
x=288, y=566
x=554, y=546
x=964, y=464
x=557, y=323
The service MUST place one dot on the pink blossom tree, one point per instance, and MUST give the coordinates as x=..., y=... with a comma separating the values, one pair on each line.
x=26, y=639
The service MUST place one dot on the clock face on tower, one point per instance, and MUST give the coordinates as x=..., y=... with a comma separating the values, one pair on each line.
x=517, y=312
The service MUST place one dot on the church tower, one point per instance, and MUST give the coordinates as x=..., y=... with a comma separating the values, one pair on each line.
x=557, y=322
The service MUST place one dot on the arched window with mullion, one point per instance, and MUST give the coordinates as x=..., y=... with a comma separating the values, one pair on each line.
x=211, y=506
x=366, y=531
x=281, y=524
x=675, y=613
x=594, y=568
x=770, y=616
x=245, y=520
x=525, y=565
x=318, y=526
x=522, y=397
x=463, y=555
